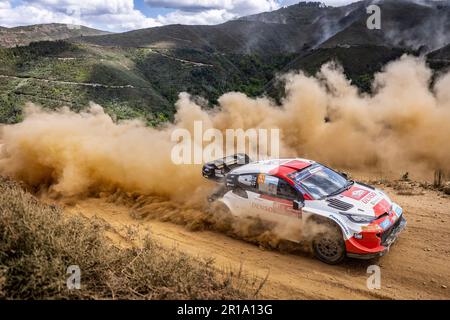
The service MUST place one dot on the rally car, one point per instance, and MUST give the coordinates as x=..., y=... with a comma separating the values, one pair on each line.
x=361, y=221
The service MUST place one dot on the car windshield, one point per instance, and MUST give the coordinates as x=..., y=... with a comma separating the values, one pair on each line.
x=320, y=182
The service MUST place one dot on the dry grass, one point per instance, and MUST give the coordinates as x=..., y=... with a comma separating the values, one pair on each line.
x=38, y=243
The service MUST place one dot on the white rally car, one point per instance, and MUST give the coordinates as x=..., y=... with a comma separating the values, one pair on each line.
x=361, y=221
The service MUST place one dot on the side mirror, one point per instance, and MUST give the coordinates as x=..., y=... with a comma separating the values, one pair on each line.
x=345, y=175
x=298, y=204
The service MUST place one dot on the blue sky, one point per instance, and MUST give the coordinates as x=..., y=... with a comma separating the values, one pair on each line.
x=149, y=11
x=123, y=15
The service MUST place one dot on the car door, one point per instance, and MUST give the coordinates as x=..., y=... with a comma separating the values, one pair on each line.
x=242, y=192
x=272, y=199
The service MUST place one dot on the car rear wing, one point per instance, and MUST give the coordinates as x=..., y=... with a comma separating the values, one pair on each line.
x=218, y=169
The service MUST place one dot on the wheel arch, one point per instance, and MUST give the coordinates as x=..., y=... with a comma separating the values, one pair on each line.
x=331, y=219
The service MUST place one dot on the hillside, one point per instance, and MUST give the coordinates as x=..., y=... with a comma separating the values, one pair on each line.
x=405, y=24
x=128, y=82
x=141, y=73
x=442, y=53
x=439, y=60
x=240, y=37
x=22, y=36
x=360, y=63
x=58, y=73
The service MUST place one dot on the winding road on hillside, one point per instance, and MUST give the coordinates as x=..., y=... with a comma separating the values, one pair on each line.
x=85, y=84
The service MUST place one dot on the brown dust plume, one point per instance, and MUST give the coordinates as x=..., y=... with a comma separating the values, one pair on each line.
x=403, y=125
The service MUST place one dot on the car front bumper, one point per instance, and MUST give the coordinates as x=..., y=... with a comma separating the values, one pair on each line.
x=387, y=242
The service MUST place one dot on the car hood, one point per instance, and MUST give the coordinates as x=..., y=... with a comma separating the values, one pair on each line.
x=362, y=200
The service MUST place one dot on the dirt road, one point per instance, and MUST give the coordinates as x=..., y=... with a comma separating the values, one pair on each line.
x=418, y=266
x=84, y=84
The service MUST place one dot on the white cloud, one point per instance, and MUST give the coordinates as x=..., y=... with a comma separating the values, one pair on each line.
x=89, y=7
x=213, y=16
x=122, y=22
x=188, y=4
x=210, y=11
x=4, y=4
x=113, y=15
x=334, y=3
x=241, y=7
x=10, y=16
x=121, y=15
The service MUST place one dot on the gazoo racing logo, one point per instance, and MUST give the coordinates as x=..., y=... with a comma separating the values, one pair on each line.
x=276, y=206
x=369, y=197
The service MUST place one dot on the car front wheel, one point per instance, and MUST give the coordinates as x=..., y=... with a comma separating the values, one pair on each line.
x=329, y=246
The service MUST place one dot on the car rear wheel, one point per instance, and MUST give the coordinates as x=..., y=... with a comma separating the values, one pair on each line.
x=329, y=246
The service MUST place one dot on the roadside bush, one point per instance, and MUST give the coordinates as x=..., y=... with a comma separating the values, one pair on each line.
x=446, y=188
x=38, y=243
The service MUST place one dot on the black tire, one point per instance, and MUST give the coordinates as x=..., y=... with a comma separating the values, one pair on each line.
x=329, y=245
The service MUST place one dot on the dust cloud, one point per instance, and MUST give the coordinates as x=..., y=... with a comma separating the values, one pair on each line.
x=403, y=125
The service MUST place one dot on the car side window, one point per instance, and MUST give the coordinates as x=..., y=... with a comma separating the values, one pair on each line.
x=265, y=184
x=247, y=181
x=244, y=182
x=286, y=191
x=268, y=184
x=275, y=186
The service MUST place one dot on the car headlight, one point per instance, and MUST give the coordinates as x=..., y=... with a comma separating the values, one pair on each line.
x=359, y=218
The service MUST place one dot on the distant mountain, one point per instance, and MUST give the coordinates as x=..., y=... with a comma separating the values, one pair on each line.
x=405, y=23
x=442, y=53
x=236, y=36
x=287, y=30
x=440, y=59
x=21, y=36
